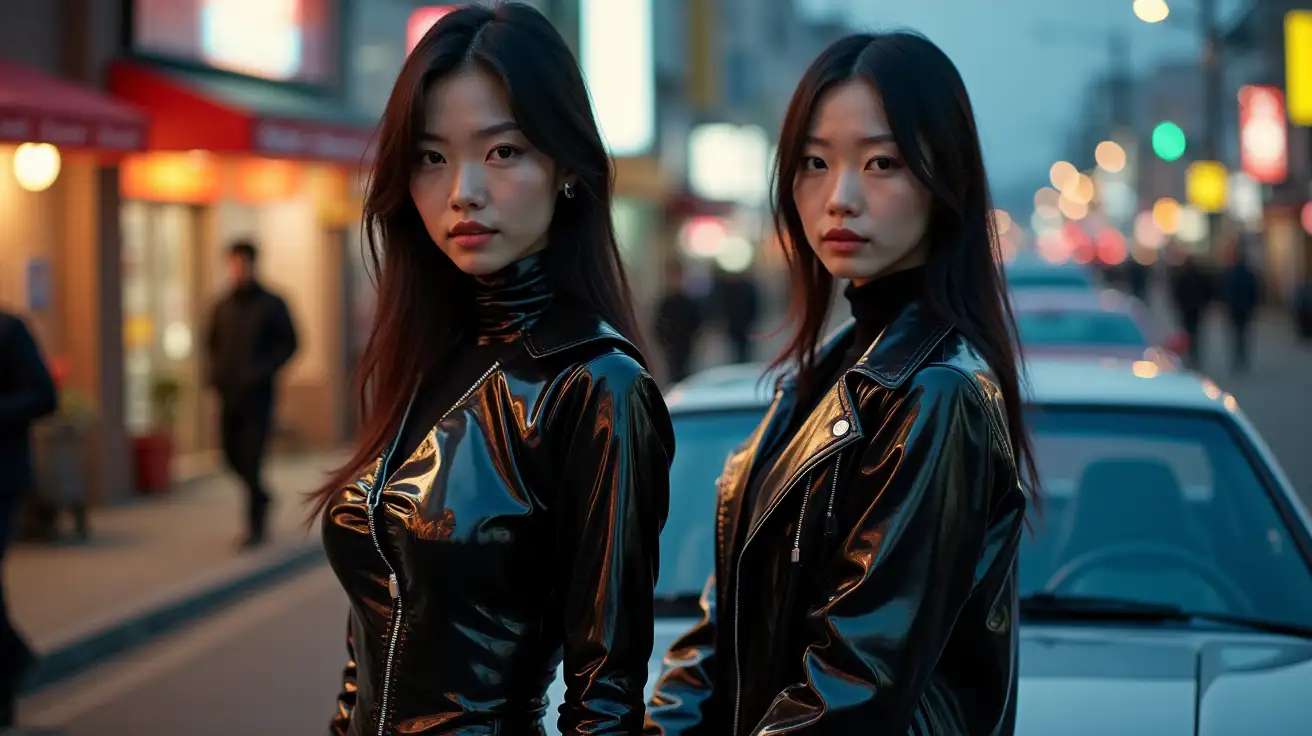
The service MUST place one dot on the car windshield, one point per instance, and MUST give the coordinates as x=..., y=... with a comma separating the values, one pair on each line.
x=1058, y=327
x=1159, y=508
x=1138, y=506
x=703, y=441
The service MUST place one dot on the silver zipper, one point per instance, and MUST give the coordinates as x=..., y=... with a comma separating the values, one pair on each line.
x=393, y=582
x=797, y=536
x=831, y=523
x=737, y=581
x=829, y=514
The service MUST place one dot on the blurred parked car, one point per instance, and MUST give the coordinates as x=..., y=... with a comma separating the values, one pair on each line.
x=1103, y=324
x=1028, y=271
x=1167, y=583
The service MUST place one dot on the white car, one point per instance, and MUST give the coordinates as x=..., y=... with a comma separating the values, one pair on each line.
x=1166, y=589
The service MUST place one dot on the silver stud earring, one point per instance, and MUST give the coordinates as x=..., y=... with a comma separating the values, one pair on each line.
x=569, y=190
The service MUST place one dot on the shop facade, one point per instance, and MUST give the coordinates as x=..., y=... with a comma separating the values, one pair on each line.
x=61, y=140
x=247, y=138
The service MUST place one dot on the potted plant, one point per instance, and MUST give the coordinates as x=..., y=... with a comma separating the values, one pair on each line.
x=153, y=452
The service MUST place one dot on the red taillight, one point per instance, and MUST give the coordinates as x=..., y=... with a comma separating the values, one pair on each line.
x=1177, y=342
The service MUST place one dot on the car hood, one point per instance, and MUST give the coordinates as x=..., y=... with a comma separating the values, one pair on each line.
x=1102, y=680
x=1099, y=680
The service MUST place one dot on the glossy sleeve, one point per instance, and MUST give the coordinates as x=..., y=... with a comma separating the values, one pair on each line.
x=614, y=497
x=905, y=570
x=683, y=700
x=341, y=722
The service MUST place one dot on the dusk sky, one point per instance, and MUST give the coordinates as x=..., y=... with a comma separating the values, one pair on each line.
x=1027, y=89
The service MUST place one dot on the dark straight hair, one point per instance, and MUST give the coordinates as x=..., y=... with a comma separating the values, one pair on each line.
x=422, y=296
x=934, y=127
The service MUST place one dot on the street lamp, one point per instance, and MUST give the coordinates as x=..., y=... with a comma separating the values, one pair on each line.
x=1151, y=11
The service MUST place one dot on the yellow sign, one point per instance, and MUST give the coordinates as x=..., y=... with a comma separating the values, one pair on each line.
x=1298, y=66
x=1205, y=182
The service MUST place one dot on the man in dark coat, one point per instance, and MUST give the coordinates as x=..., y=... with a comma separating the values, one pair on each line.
x=1242, y=296
x=250, y=338
x=27, y=393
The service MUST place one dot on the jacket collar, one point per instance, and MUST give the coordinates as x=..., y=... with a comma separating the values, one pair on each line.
x=899, y=350
x=564, y=327
x=834, y=421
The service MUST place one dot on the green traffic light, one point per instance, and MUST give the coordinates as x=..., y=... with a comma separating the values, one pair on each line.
x=1168, y=141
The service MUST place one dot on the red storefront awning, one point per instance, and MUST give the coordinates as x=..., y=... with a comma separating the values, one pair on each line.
x=39, y=108
x=222, y=112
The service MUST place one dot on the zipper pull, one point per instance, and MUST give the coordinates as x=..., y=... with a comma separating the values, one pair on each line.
x=797, y=553
x=831, y=524
x=393, y=586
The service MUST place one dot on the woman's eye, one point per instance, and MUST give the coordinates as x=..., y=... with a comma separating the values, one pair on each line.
x=504, y=153
x=882, y=163
x=813, y=163
x=431, y=157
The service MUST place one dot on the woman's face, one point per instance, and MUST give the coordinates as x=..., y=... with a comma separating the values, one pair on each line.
x=864, y=212
x=485, y=194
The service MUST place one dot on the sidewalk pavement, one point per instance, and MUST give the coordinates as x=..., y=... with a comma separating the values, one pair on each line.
x=156, y=563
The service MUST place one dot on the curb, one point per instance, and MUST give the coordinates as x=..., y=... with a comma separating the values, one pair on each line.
x=87, y=651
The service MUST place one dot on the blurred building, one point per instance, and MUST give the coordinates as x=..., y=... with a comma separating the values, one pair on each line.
x=1257, y=43
x=234, y=123
x=1252, y=53
x=140, y=138
x=61, y=139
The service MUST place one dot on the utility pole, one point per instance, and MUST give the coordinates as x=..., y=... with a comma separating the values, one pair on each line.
x=1213, y=113
x=1122, y=80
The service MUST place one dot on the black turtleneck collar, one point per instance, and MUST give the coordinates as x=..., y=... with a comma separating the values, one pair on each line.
x=511, y=299
x=878, y=302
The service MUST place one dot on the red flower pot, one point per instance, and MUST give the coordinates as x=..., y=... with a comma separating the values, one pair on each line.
x=153, y=456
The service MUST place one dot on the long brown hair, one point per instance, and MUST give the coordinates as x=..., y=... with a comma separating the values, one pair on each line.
x=932, y=120
x=422, y=296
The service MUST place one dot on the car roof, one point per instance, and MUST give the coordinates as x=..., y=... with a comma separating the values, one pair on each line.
x=1050, y=381
x=1028, y=262
x=1094, y=300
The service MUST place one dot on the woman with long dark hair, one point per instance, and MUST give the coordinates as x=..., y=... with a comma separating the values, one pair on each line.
x=865, y=571
x=503, y=509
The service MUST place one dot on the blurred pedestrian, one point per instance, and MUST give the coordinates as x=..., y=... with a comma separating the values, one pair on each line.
x=738, y=303
x=502, y=512
x=679, y=320
x=866, y=569
x=1241, y=291
x=1192, y=290
x=250, y=339
x=1303, y=309
x=1138, y=277
x=27, y=393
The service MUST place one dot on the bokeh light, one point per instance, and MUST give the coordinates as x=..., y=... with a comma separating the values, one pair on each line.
x=1063, y=175
x=1110, y=156
x=1151, y=11
x=1073, y=209
x=1166, y=213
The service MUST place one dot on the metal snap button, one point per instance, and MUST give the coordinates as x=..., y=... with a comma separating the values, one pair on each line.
x=841, y=427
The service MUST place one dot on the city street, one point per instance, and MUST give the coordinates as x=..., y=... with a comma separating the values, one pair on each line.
x=1274, y=393
x=270, y=663
x=266, y=666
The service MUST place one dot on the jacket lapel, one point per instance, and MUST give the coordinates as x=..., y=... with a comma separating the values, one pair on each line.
x=833, y=422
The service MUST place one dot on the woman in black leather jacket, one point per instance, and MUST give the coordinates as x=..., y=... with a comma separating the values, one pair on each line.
x=503, y=511
x=865, y=569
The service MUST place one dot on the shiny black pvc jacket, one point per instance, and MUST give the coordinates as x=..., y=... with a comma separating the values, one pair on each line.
x=523, y=530
x=877, y=594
